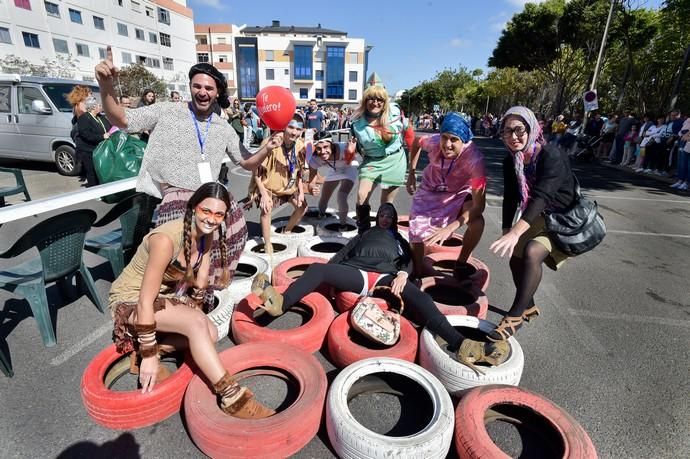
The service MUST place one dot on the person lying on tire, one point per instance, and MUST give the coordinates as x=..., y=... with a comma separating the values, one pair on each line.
x=157, y=301
x=379, y=256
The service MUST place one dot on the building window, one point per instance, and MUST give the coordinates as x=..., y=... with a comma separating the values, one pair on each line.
x=201, y=40
x=319, y=93
x=269, y=55
x=31, y=40
x=168, y=63
x=126, y=58
x=25, y=4
x=5, y=36
x=352, y=76
x=163, y=16
x=319, y=75
x=82, y=50
x=335, y=72
x=122, y=29
x=52, y=9
x=202, y=57
x=270, y=74
x=75, y=16
x=304, y=93
x=165, y=40
x=286, y=72
x=303, y=62
x=222, y=58
x=352, y=94
x=247, y=68
x=101, y=53
x=136, y=7
x=221, y=40
x=229, y=76
x=98, y=23
x=153, y=38
x=353, y=58
x=119, y=2
x=319, y=56
x=139, y=33
x=149, y=11
x=60, y=46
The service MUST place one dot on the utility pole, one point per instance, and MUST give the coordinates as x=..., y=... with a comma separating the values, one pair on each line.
x=210, y=46
x=601, y=54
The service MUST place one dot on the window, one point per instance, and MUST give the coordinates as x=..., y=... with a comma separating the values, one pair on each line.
x=136, y=7
x=221, y=40
x=5, y=98
x=202, y=57
x=151, y=62
x=352, y=58
x=304, y=93
x=149, y=12
x=319, y=94
x=122, y=29
x=153, y=38
x=119, y=2
x=303, y=62
x=101, y=53
x=247, y=67
x=168, y=63
x=25, y=4
x=165, y=40
x=352, y=76
x=335, y=72
x=286, y=72
x=319, y=57
x=163, y=16
x=82, y=50
x=60, y=46
x=75, y=16
x=98, y=23
x=222, y=58
x=352, y=94
x=319, y=75
x=270, y=74
x=52, y=9
x=269, y=55
x=126, y=58
x=139, y=33
x=26, y=95
x=201, y=40
x=5, y=36
x=31, y=40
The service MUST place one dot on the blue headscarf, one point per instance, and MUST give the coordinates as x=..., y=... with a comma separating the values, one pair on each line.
x=455, y=124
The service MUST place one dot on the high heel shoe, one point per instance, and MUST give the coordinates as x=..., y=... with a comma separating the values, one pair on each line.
x=530, y=314
x=507, y=328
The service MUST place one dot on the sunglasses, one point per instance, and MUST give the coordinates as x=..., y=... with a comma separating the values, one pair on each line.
x=376, y=99
x=208, y=213
x=519, y=131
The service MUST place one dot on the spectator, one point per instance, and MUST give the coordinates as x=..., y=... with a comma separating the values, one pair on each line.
x=629, y=146
x=148, y=97
x=124, y=101
x=608, y=134
x=92, y=129
x=624, y=126
x=654, y=147
x=594, y=125
x=314, y=117
x=646, y=124
x=558, y=129
x=683, y=157
x=76, y=98
x=175, y=96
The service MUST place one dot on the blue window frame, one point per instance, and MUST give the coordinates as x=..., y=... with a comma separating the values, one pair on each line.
x=304, y=93
x=31, y=40
x=319, y=75
x=335, y=72
x=247, y=61
x=303, y=62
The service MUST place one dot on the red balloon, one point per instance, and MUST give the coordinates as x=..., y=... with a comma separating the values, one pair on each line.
x=276, y=106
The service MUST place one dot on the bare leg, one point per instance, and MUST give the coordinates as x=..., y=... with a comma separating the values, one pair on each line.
x=296, y=216
x=475, y=229
x=266, y=231
x=343, y=193
x=366, y=187
x=388, y=194
x=327, y=190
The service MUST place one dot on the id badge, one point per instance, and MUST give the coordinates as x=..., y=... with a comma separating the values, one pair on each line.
x=205, y=174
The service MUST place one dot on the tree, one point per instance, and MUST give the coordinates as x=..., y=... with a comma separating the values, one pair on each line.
x=135, y=78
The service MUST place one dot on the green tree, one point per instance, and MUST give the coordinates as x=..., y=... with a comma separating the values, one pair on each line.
x=135, y=78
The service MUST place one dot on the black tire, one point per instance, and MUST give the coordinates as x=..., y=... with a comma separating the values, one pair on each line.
x=66, y=161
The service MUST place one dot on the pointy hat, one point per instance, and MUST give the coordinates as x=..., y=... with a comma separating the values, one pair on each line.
x=375, y=80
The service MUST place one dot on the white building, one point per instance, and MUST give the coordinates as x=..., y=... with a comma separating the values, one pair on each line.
x=214, y=44
x=156, y=33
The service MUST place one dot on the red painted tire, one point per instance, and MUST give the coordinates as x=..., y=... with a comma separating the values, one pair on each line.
x=443, y=262
x=281, y=435
x=286, y=272
x=404, y=223
x=453, y=245
x=344, y=301
x=344, y=351
x=309, y=337
x=130, y=409
x=481, y=405
x=458, y=300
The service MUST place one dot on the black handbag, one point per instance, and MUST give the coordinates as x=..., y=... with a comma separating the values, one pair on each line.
x=578, y=229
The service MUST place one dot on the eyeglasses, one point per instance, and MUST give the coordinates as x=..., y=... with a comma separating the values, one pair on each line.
x=519, y=131
x=376, y=99
x=208, y=213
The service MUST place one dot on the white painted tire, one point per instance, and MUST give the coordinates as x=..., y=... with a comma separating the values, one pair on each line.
x=238, y=289
x=300, y=231
x=457, y=377
x=254, y=246
x=350, y=439
x=311, y=215
x=329, y=227
x=311, y=247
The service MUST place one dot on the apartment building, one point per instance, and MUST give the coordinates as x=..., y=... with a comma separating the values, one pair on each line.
x=313, y=62
x=157, y=33
x=214, y=44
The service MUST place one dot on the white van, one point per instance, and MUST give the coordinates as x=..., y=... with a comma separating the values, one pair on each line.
x=36, y=120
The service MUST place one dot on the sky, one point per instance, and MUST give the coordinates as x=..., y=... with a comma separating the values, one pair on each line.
x=412, y=39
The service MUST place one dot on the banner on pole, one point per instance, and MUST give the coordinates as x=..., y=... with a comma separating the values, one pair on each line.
x=591, y=100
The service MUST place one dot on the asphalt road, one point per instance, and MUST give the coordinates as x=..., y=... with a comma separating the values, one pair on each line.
x=611, y=347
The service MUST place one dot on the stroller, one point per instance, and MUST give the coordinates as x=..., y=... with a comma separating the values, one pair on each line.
x=584, y=151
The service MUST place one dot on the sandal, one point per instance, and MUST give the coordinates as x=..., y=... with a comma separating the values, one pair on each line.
x=507, y=328
x=530, y=313
x=272, y=299
x=471, y=352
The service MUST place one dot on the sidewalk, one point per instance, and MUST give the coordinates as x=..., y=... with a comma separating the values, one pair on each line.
x=669, y=180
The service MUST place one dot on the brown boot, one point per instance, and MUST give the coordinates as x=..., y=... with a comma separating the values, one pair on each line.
x=239, y=401
x=471, y=352
x=135, y=360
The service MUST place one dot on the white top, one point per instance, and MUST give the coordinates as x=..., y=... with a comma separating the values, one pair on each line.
x=335, y=171
x=653, y=132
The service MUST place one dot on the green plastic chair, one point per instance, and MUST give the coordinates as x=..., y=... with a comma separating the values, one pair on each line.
x=118, y=246
x=60, y=244
x=20, y=187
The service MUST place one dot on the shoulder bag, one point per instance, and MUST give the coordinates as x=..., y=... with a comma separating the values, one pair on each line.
x=372, y=322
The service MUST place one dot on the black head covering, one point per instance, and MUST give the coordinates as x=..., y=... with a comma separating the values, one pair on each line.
x=218, y=77
x=391, y=207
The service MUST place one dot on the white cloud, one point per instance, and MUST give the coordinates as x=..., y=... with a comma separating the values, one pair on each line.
x=215, y=4
x=460, y=43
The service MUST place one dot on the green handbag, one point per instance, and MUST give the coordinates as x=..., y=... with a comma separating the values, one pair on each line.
x=118, y=157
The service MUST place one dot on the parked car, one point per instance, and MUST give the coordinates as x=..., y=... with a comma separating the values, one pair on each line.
x=36, y=120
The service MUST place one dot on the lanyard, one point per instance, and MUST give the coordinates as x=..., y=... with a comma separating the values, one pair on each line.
x=291, y=159
x=450, y=167
x=99, y=122
x=202, y=142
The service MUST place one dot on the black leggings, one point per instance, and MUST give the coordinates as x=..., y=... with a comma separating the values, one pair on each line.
x=418, y=305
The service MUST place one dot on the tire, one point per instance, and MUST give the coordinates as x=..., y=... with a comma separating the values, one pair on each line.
x=309, y=337
x=560, y=434
x=345, y=346
x=282, y=250
x=350, y=439
x=217, y=434
x=322, y=246
x=311, y=216
x=452, y=298
x=129, y=409
x=299, y=233
x=287, y=271
x=457, y=377
x=344, y=301
x=443, y=262
x=66, y=161
x=453, y=245
x=329, y=227
x=247, y=269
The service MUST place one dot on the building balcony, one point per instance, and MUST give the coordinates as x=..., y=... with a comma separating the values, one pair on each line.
x=217, y=48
